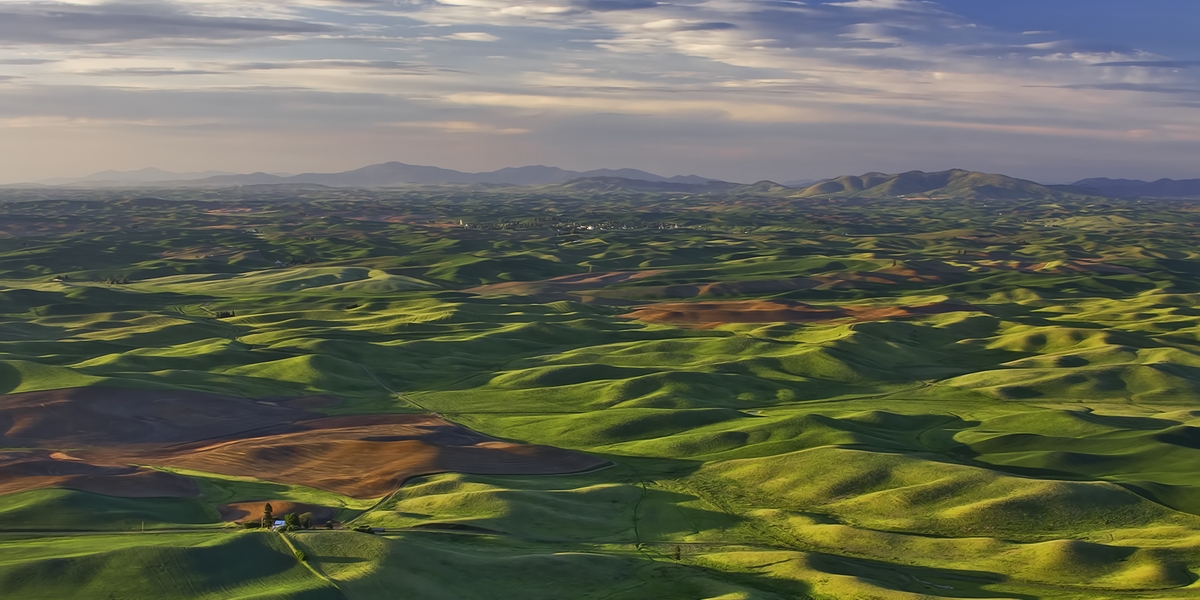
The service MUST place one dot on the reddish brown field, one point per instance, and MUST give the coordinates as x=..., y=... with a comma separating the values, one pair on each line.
x=98, y=417
x=596, y=287
x=565, y=283
x=31, y=470
x=1069, y=266
x=711, y=314
x=369, y=456
x=88, y=438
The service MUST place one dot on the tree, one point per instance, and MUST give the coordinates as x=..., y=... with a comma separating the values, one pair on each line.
x=306, y=520
x=292, y=521
x=268, y=518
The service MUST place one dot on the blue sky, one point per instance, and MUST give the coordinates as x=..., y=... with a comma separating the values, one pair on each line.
x=1053, y=90
x=1167, y=27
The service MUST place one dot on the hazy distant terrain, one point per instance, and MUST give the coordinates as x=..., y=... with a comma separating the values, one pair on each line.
x=1162, y=188
x=385, y=174
x=921, y=385
x=946, y=184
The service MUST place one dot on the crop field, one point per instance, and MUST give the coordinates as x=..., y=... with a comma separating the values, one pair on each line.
x=550, y=394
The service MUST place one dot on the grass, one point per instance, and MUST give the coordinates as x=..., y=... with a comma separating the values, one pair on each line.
x=245, y=565
x=377, y=566
x=63, y=509
x=1038, y=443
x=217, y=489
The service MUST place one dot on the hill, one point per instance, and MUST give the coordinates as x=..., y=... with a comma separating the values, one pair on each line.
x=1136, y=188
x=955, y=183
x=140, y=176
x=550, y=392
x=397, y=173
x=609, y=184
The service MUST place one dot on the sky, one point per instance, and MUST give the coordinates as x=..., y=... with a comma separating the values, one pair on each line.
x=742, y=90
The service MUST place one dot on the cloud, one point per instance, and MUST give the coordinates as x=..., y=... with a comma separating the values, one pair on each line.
x=24, y=61
x=1151, y=64
x=339, y=65
x=613, y=5
x=687, y=25
x=147, y=72
x=357, y=69
x=459, y=127
x=1150, y=88
x=114, y=23
x=472, y=36
x=725, y=109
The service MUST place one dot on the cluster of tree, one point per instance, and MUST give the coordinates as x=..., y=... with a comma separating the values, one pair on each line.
x=225, y=314
x=299, y=261
x=291, y=521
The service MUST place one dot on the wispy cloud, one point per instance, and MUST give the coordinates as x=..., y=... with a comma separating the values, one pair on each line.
x=121, y=23
x=472, y=36
x=1151, y=64
x=460, y=127
x=369, y=74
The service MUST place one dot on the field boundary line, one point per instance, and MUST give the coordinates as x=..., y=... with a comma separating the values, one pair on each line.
x=398, y=395
x=305, y=561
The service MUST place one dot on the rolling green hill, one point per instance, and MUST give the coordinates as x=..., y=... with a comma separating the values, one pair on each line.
x=764, y=396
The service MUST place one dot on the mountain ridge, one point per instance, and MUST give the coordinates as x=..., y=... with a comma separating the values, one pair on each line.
x=954, y=183
x=1137, y=188
x=398, y=173
x=146, y=175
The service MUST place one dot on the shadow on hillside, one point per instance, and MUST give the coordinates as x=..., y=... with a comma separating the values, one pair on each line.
x=10, y=378
x=1182, y=498
x=949, y=583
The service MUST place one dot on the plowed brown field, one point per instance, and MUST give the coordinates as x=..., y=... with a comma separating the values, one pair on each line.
x=564, y=283
x=96, y=416
x=87, y=438
x=369, y=456
x=23, y=471
x=777, y=311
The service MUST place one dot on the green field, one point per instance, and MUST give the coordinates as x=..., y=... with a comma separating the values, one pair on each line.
x=967, y=398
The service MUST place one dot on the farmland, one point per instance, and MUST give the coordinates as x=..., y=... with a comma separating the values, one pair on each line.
x=617, y=394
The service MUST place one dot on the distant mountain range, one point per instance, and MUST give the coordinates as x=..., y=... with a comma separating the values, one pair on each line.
x=955, y=183
x=610, y=184
x=1135, y=188
x=140, y=176
x=914, y=184
x=386, y=174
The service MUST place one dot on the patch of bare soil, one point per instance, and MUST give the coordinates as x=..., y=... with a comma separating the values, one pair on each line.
x=1065, y=266
x=369, y=456
x=95, y=416
x=778, y=311
x=565, y=283
x=593, y=287
x=23, y=471
x=889, y=276
x=88, y=437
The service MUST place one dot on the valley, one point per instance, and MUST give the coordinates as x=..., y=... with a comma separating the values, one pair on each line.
x=565, y=391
